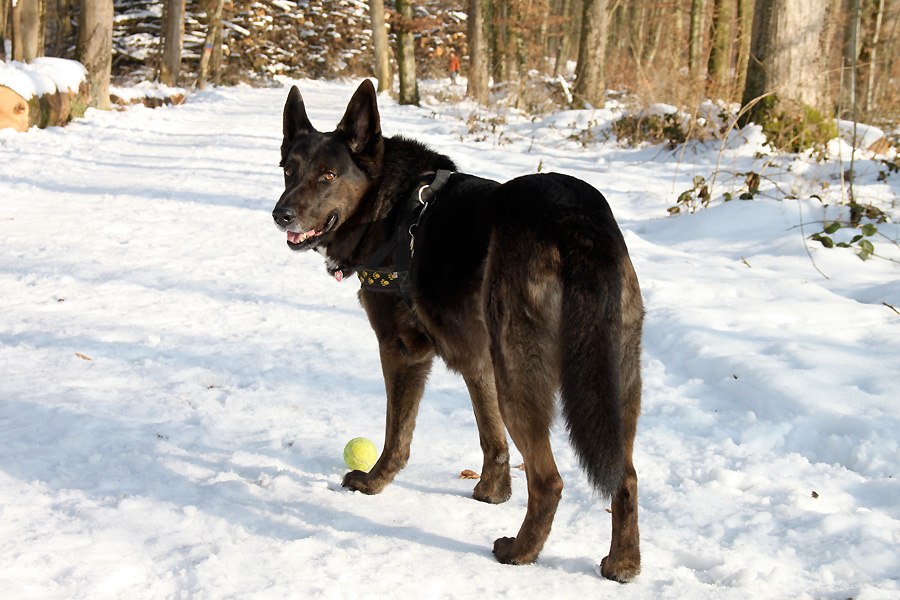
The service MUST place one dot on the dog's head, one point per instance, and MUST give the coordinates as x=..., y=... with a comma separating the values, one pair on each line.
x=326, y=175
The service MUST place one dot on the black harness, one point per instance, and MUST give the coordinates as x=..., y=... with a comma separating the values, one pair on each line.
x=395, y=277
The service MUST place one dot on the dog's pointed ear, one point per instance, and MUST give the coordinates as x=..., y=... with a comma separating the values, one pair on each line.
x=296, y=123
x=361, y=123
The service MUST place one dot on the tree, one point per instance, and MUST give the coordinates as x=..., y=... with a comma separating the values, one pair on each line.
x=695, y=44
x=213, y=31
x=380, y=44
x=720, y=51
x=170, y=66
x=869, y=52
x=564, y=44
x=743, y=24
x=787, y=66
x=478, y=86
x=26, y=30
x=406, y=55
x=589, y=71
x=94, y=48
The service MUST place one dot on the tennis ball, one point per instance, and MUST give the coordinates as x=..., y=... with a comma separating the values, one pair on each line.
x=360, y=454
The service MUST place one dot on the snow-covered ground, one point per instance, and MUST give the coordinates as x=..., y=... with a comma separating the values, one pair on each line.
x=176, y=386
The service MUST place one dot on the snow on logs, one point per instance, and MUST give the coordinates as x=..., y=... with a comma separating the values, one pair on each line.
x=49, y=91
x=44, y=92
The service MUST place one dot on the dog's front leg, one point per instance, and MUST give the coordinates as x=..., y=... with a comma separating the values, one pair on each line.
x=404, y=383
x=406, y=359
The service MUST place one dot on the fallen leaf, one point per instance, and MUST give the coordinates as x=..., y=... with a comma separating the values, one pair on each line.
x=467, y=474
x=82, y=356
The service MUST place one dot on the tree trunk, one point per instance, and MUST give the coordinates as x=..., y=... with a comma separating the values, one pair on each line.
x=5, y=6
x=170, y=66
x=590, y=77
x=500, y=40
x=213, y=27
x=786, y=57
x=873, y=54
x=744, y=25
x=215, y=61
x=636, y=18
x=478, y=86
x=654, y=35
x=406, y=57
x=26, y=30
x=380, y=43
x=695, y=44
x=95, y=48
x=562, y=48
x=721, y=42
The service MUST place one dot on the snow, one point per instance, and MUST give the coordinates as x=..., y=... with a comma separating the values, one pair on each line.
x=146, y=89
x=43, y=75
x=177, y=386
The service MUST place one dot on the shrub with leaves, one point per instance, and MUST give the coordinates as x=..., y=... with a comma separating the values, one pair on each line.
x=862, y=226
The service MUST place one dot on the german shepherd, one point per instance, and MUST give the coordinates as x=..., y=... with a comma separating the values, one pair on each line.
x=525, y=288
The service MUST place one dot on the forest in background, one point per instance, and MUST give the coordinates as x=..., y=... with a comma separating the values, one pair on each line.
x=836, y=57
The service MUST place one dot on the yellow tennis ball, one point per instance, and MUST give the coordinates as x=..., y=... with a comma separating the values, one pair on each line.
x=360, y=454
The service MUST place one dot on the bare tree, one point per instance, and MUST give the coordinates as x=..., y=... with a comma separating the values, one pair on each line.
x=5, y=6
x=743, y=24
x=870, y=49
x=170, y=66
x=589, y=72
x=786, y=62
x=381, y=47
x=95, y=48
x=26, y=30
x=406, y=55
x=564, y=45
x=213, y=31
x=718, y=67
x=478, y=60
x=695, y=44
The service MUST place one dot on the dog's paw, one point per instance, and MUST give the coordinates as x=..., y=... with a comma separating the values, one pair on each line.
x=360, y=481
x=503, y=550
x=491, y=492
x=621, y=571
x=506, y=552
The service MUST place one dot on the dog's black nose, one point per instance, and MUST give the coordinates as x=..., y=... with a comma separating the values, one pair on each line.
x=283, y=215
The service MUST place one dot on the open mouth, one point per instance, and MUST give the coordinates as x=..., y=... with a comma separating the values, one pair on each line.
x=308, y=239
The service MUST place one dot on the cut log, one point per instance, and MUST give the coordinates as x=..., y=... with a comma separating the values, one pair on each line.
x=173, y=98
x=13, y=110
x=53, y=91
x=47, y=110
x=58, y=108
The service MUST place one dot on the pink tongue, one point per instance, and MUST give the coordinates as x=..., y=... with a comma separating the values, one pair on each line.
x=296, y=238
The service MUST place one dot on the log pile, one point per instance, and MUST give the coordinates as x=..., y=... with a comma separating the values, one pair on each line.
x=47, y=92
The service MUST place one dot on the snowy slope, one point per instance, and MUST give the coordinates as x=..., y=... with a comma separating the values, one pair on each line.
x=176, y=386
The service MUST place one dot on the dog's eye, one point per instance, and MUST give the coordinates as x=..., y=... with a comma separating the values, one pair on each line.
x=288, y=171
x=329, y=175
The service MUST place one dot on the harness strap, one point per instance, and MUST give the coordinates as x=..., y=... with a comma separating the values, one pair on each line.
x=395, y=278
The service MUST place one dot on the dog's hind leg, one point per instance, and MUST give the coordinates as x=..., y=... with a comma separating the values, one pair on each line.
x=544, y=491
x=624, y=560
x=523, y=319
x=495, y=485
x=406, y=359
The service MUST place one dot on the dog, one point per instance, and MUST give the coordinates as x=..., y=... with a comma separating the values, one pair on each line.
x=525, y=288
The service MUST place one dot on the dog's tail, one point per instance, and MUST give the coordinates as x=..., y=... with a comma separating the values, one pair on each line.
x=591, y=347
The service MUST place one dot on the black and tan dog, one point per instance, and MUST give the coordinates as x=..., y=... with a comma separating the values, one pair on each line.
x=525, y=288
